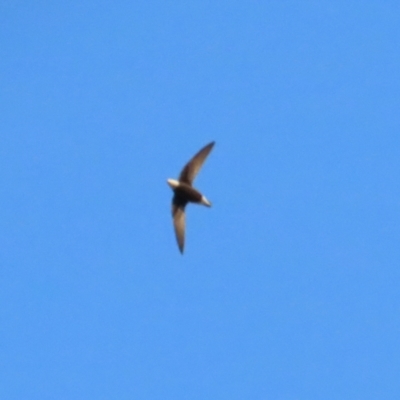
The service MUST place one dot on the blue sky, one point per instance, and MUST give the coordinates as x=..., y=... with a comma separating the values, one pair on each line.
x=289, y=285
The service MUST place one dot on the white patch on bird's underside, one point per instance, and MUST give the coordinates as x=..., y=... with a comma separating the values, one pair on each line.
x=205, y=201
x=173, y=183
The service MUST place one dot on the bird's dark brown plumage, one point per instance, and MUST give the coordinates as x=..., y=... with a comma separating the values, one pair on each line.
x=191, y=169
x=185, y=193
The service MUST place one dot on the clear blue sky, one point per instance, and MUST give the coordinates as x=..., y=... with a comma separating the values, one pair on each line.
x=289, y=287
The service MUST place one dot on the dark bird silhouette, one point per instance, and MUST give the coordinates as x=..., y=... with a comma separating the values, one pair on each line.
x=185, y=193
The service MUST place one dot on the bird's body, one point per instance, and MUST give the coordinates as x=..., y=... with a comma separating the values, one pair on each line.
x=185, y=193
x=188, y=193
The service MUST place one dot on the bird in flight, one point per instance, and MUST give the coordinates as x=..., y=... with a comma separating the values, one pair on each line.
x=185, y=193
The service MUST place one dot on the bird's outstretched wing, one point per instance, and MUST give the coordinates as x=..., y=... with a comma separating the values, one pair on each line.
x=178, y=214
x=191, y=169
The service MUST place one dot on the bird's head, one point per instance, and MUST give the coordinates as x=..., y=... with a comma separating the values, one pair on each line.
x=173, y=183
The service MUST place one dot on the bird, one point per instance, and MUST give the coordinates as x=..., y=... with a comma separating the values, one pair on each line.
x=185, y=193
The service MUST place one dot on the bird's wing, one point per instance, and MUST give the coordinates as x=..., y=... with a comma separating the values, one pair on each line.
x=178, y=214
x=191, y=169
